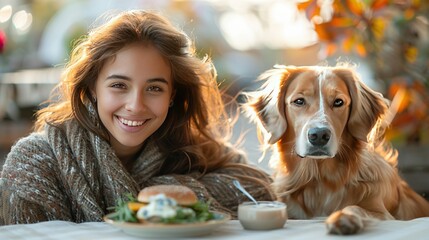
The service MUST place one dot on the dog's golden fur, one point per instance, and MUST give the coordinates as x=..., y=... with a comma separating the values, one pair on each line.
x=327, y=131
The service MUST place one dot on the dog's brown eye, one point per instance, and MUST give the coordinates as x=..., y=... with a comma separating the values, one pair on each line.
x=299, y=102
x=338, y=102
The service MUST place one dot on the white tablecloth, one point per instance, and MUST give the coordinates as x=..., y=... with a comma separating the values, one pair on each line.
x=294, y=229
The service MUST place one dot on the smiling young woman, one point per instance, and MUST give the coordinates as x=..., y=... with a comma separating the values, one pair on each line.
x=134, y=92
x=135, y=107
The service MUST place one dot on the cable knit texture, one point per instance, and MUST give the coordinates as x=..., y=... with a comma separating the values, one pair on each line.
x=71, y=174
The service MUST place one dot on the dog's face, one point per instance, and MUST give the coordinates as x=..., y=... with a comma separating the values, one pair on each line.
x=312, y=108
x=317, y=106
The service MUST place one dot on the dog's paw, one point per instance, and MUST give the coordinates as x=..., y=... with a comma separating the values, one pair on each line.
x=344, y=224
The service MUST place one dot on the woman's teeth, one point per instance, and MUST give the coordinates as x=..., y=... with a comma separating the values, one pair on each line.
x=131, y=123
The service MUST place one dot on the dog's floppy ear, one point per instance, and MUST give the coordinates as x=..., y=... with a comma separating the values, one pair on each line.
x=266, y=106
x=368, y=106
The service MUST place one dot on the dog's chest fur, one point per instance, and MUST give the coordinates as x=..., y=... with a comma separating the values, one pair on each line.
x=317, y=188
x=314, y=200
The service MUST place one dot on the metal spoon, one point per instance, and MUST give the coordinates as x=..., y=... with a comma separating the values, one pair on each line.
x=238, y=185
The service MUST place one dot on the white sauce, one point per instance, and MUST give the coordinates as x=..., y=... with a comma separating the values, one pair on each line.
x=264, y=216
x=159, y=206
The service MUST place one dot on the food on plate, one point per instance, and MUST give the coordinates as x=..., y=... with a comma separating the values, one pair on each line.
x=163, y=204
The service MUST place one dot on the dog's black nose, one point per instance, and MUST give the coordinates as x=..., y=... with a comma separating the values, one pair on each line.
x=319, y=136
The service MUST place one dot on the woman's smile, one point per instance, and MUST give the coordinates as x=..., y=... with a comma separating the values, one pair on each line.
x=131, y=123
x=128, y=126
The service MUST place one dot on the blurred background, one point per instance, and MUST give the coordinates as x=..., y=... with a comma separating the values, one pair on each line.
x=387, y=39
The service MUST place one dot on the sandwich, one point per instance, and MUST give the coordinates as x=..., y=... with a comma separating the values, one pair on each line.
x=163, y=204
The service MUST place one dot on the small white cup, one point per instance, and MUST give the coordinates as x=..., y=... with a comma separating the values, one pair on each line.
x=266, y=215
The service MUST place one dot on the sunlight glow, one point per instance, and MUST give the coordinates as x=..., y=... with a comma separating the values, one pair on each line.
x=287, y=28
x=241, y=30
x=5, y=13
x=274, y=24
x=22, y=21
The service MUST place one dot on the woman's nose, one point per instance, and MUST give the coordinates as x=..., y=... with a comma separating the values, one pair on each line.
x=135, y=103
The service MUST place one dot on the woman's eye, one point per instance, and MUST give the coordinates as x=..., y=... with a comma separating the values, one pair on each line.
x=299, y=102
x=117, y=85
x=338, y=102
x=154, y=89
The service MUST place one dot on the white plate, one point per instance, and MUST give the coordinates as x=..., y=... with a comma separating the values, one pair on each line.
x=162, y=230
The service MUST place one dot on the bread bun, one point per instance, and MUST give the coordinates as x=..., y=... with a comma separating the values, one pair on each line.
x=183, y=195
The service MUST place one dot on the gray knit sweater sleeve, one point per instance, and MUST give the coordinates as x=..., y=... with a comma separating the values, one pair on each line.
x=29, y=188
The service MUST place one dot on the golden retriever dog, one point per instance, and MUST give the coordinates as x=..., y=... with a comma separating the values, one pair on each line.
x=326, y=129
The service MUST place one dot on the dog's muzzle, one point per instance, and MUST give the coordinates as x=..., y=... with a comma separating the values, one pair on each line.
x=319, y=138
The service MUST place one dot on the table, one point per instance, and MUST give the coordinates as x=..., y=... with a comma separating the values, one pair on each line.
x=294, y=229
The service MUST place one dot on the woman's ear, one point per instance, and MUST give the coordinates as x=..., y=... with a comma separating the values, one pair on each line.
x=94, y=96
x=173, y=94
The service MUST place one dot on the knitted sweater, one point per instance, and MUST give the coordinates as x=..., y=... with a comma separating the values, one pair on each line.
x=74, y=175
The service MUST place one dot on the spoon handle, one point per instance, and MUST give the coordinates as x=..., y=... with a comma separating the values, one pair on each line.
x=238, y=185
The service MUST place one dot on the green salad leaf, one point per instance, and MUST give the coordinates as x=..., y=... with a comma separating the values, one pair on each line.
x=121, y=212
x=201, y=210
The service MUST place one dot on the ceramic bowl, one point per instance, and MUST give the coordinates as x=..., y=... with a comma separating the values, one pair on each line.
x=266, y=215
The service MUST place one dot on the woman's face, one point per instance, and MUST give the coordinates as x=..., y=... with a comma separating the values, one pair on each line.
x=133, y=94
